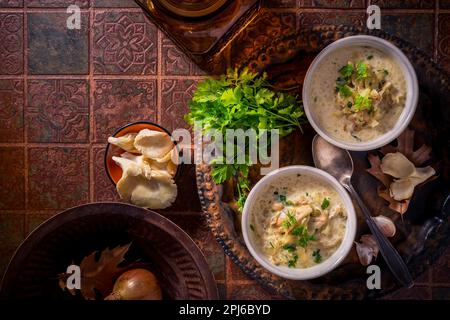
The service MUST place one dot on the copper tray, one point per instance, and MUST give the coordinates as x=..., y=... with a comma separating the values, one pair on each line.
x=425, y=230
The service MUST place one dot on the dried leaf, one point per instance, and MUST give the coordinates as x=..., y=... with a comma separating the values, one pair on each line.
x=399, y=206
x=375, y=170
x=98, y=274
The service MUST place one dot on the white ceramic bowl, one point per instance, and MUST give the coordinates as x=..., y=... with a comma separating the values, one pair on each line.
x=300, y=273
x=412, y=95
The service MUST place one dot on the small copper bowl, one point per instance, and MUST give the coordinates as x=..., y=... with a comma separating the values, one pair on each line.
x=113, y=170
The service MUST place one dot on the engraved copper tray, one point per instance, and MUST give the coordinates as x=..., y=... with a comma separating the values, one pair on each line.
x=424, y=231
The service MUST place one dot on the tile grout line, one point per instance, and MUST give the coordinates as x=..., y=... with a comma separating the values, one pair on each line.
x=91, y=102
x=159, y=79
x=24, y=117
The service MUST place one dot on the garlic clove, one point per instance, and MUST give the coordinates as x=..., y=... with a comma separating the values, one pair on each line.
x=365, y=253
x=369, y=240
x=397, y=165
x=386, y=225
x=402, y=189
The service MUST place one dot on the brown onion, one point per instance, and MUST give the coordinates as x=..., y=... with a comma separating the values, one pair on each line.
x=136, y=284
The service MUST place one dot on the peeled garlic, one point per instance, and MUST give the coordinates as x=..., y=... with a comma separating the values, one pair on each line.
x=397, y=165
x=367, y=249
x=386, y=225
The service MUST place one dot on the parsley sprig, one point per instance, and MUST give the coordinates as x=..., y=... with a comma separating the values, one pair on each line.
x=242, y=100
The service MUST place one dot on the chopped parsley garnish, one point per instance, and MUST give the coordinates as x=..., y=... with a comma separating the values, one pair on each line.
x=363, y=102
x=344, y=90
x=386, y=72
x=349, y=104
x=315, y=99
x=304, y=238
x=362, y=71
x=289, y=221
x=370, y=57
x=317, y=256
x=282, y=198
x=293, y=262
x=325, y=203
x=271, y=244
x=252, y=227
x=346, y=71
x=289, y=247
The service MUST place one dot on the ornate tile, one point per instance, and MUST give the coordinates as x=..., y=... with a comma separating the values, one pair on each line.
x=12, y=177
x=175, y=95
x=11, y=3
x=443, y=44
x=119, y=102
x=11, y=110
x=332, y=3
x=58, y=177
x=11, y=43
x=415, y=28
x=56, y=3
x=309, y=19
x=405, y=4
x=35, y=219
x=104, y=190
x=55, y=49
x=124, y=43
x=444, y=4
x=114, y=3
x=195, y=226
x=58, y=111
x=176, y=62
x=11, y=235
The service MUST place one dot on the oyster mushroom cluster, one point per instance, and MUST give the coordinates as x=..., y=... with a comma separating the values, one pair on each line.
x=148, y=169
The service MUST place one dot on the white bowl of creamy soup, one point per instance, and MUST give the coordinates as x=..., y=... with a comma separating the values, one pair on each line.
x=360, y=93
x=298, y=222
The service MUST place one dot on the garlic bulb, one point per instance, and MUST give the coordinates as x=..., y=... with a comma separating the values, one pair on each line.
x=386, y=225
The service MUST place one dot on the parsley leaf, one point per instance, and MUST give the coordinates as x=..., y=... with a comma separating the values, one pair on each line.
x=363, y=102
x=289, y=221
x=346, y=71
x=317, y=256
x=325, y=203
x=289, y=247
x=304, y=238
x=293, y=262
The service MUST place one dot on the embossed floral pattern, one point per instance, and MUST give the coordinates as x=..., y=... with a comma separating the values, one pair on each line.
x=57, y=3
x=11, y=110
x=11, y=3
x=11, y=43
x=315, y=18
x=176, y=62
x=58, y=111
x=104, y=190
x=176, y=95
x=119, y=102
x=12, y=191
x=58, y=177
x=124, y=43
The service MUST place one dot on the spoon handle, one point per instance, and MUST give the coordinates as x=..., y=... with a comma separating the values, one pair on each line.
x=390, y=255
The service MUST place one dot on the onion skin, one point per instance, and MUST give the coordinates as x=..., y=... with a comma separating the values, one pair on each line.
x=136, y=284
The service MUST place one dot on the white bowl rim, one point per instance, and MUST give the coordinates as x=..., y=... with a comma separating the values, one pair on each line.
x=410, y=103
x=324, y=267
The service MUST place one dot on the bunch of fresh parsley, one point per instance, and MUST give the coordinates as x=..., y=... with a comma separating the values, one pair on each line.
x=242, y=100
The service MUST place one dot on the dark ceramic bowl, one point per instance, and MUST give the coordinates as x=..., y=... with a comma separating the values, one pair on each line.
x=68, y=237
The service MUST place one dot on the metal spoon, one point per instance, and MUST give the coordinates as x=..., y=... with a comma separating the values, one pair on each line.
x=339, y=164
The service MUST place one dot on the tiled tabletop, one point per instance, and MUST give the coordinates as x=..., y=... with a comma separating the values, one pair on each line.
x=63, y=92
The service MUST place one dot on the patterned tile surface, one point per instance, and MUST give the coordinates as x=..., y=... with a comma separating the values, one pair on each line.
x=63, y=92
